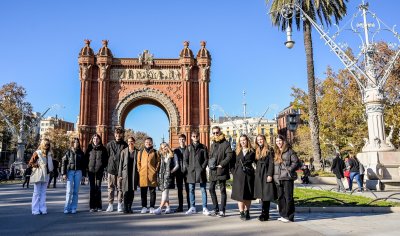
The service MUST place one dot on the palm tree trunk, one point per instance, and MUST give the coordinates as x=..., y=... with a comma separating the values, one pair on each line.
x=312, y=103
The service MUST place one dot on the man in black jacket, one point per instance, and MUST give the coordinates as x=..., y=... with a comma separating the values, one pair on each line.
x=196, y=159
x=181, y=173
x=220, y=157
x=337, y=168
x=114, y=149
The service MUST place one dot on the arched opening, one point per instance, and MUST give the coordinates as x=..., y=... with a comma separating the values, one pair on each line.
x=149, y=118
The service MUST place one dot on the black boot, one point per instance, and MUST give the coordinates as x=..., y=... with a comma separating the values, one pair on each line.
x=130, y=208
x=247, y=216
x=126, y=208
x=264, y=212
x=242, y=215
x=179, y=209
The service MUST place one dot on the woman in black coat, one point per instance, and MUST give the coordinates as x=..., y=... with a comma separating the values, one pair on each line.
x=285, y=166
x=243, y=177
x=97, y=159
x=264, y=187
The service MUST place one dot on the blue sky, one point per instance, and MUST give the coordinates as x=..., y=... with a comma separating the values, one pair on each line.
x=41, y=39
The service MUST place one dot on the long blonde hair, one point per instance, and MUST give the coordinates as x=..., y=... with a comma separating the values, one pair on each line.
x=42, y=147
x=239, y=146
x=261, y=153
x=166, y=153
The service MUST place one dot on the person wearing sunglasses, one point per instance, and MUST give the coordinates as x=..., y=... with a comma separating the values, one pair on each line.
x=220, y=157
x=196, y=159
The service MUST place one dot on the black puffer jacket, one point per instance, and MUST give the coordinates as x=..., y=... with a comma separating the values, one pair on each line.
x=73, y=160
x=114, y=149
x=221, y=153
x=166, y=177
x=96, y=158
x=287, y=169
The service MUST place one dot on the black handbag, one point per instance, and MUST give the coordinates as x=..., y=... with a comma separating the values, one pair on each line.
x=246, y=169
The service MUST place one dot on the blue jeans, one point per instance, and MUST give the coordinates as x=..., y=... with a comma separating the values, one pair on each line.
x=73, y=182
x=203, y=194
x=358, y=179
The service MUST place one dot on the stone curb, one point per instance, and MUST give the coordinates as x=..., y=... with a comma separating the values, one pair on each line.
x=343, y=209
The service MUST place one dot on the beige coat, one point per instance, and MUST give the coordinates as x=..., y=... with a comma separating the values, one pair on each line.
x=148, y=165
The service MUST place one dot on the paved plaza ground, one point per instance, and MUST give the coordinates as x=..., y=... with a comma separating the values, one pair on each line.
x=16, y=219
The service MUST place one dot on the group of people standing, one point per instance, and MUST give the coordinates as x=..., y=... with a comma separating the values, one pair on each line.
x=261, y=172
x=350, y=168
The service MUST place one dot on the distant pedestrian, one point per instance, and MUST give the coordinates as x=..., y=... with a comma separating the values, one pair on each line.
x=27, y=176
x=285, y=166
x=220, y=157
x=166, y=176
x=346, y=171
x=306, y=174
x=73, y=167
x=148, y=167
x=243, y=177
x=355, y=172
x=42, y=165
x=96, y=158
x=128, y=174
x=196, y=159
x=264, y=187
x=114, y=149
x=54, y=174
x=337, y=168
x=181, y=174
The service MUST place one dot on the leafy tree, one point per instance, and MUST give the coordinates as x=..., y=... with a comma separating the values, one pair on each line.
x=60, y=142
x=12, y=106
x=324, y=10
x=138, y=135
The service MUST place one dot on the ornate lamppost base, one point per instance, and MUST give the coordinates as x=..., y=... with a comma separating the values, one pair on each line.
x=382, y=169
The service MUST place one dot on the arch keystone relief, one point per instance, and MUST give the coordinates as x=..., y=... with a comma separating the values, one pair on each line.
x=111, y=87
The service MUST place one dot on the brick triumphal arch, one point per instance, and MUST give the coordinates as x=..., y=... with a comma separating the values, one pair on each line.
x=112, y=87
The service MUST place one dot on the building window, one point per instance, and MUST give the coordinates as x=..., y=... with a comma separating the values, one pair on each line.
x=262, y=131
x=271, y=130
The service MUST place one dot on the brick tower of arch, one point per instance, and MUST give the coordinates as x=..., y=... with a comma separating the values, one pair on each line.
x=112, y=87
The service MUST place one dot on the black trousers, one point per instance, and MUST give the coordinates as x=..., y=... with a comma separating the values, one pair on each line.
x=143, y=195
x=27, y=179
x=222, y=188
x=54, y=178
x=128, y=198
x=265, y=209
x=95, y=190
x=180, y=181
x=285, y=199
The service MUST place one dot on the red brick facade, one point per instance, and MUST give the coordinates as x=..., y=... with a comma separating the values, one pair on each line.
x=112, y=87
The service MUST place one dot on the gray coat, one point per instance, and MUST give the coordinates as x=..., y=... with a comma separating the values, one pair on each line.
x=123, y=170
x=196, y=159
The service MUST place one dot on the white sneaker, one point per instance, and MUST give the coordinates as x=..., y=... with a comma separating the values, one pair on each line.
x=144, y=210
x=284, y=220
x=151, y=210
x=120, y=207
x=157, y=211
x=66, y=211
x=73, y=212
x=168, y=210
x=206, y=212
x=110, y=208
x=191, y=210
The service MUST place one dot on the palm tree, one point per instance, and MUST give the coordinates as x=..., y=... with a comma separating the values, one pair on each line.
x=324, y=10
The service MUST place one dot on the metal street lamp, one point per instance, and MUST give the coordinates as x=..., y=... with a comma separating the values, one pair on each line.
x=371, y=83
x=378, y=154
